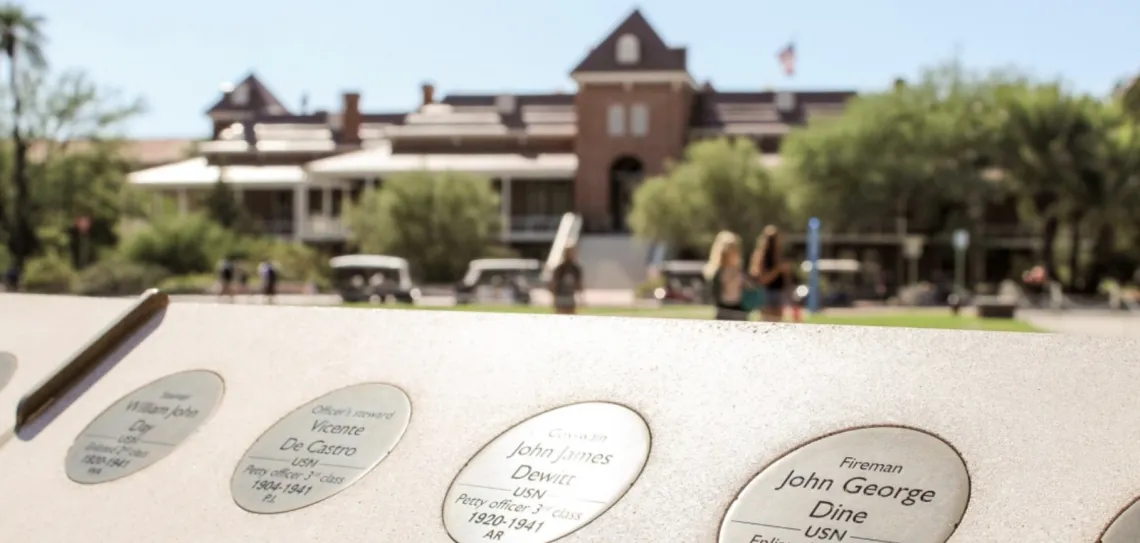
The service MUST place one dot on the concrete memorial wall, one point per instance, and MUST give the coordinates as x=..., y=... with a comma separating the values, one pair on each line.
x=249, y=423
x=38, y=333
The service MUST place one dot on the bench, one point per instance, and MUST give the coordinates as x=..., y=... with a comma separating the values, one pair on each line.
x=994, y=307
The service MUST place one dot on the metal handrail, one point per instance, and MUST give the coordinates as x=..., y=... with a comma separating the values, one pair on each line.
x=569, y=229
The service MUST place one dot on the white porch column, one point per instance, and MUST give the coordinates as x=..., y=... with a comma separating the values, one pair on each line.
x=300, y=210
x=345, y=198
x=326, y=203
x=183, y=202
x=505, y=206
x=239, y=195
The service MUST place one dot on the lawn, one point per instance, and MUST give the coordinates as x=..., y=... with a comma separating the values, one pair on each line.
x=901, y=318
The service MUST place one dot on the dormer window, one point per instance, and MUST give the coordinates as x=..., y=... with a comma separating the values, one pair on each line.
x=628, y=50
x=240, y=95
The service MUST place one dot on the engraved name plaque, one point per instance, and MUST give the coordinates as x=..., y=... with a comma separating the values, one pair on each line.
x=7, y=368
x=144, y=426
x=321, y=448
x=886, y=484
x=548, y=476
x=1125, y=528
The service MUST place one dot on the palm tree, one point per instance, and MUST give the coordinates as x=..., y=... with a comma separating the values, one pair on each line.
x=21, y=39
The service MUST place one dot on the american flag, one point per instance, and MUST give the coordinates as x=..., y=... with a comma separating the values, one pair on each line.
x=787, y=58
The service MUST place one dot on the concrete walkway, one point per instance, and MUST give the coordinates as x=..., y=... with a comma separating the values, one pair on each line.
x=1081, y=322
x=593, y=297
x=1085, y=322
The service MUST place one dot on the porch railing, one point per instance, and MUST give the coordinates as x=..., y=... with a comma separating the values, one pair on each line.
x=535, y=223
x=319, y=226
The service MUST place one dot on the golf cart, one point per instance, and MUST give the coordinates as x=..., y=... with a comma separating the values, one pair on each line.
x=840, y=282
x=373, y=278
x=684, y=282
x=498, y=279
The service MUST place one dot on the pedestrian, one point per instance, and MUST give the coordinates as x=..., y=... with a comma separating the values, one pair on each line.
x=725, y=276
x=566, y=283
x=771, y=272
x=243, y=281
x=226, y=271
x=268, y=272
x=12, y=278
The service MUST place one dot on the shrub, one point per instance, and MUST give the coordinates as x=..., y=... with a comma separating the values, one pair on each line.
x=119, y=277
x=182, y=245
x=649, y=287
x=295, y=262
x=189, y=284
x=500, y=251
x=49, y=274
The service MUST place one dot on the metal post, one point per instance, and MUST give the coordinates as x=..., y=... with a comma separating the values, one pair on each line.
x=959, y=269
x=900, y=263
x=961, y=242
x=813, y=258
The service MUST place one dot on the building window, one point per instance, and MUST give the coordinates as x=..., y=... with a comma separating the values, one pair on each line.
x=639, y=120
x=628, y=49
x=617, y=120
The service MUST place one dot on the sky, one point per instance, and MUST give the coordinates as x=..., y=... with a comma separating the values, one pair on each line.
x=177, y=56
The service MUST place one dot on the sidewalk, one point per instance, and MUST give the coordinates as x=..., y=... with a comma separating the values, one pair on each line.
x=1085, y=322
x=283, y=299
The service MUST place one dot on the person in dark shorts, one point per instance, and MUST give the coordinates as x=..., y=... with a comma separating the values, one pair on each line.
x=226, y=272
x=12, y=279
x=268, y=272
x=566, y=283
x=726, y=278
x=770, y=272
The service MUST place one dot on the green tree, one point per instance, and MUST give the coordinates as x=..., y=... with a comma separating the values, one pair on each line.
x=22, y=40
x=911, y=158
x=224, y=208
x=76, y=168
x=1130, y=97
x=720, y=185
x=1048, y=149
x=1105, y=197
x=438, y=221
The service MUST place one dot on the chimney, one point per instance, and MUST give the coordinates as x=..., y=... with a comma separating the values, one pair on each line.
x=429, y=93
x=350, y=119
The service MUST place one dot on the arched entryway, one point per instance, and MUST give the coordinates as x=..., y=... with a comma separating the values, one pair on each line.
x=626, y=173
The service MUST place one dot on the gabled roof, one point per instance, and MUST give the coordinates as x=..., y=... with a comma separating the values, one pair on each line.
x=251, y=95
x=655, y=54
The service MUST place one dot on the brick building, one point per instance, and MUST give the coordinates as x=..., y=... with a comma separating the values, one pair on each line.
x=636, y=107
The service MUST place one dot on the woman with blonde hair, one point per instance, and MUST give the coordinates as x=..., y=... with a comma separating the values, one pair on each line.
x=726, y=278
x=770, y=272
